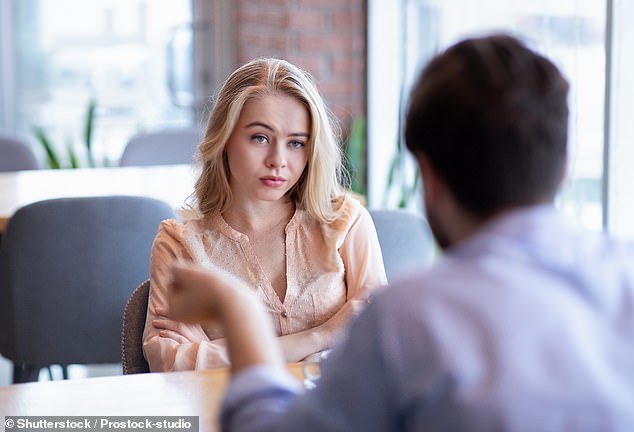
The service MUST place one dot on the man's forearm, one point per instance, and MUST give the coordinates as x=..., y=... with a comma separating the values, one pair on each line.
x=249, y=333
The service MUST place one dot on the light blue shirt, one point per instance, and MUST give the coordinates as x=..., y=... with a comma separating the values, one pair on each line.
x=526, y=326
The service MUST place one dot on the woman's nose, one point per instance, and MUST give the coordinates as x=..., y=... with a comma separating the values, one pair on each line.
x=276, y=157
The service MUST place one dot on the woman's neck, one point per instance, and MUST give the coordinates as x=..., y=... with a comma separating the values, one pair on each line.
x=259, y=218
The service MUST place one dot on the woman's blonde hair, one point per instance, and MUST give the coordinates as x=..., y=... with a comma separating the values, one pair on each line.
x=319, y=184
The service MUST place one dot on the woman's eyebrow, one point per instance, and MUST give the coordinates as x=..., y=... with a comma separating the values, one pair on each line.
x=258, y=123
x=266, y=126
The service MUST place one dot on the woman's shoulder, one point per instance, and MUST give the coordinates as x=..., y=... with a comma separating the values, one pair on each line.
x=351, y=204
x=349, y=209
x=167, y=226
x=178, y=229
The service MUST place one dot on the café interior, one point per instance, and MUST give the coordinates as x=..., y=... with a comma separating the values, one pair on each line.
x=110, y=99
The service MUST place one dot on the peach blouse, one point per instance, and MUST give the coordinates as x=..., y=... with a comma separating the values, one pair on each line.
x=327, y=265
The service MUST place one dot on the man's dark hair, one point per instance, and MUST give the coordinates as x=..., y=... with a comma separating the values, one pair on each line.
x=491, y=116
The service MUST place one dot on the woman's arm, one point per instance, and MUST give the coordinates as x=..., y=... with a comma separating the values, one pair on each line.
x=297, y=346
x=364, y=272
x=198, y=296
x=362, y=257
x=170, y=345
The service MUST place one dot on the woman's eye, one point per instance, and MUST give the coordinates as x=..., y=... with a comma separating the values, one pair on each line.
x=259, y=139
x=297, y=144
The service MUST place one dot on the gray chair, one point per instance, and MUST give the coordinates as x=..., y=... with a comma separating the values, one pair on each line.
x=166, y=147
x=66, y=268
x=16, y=155
x=132, y=358
x=406, y=241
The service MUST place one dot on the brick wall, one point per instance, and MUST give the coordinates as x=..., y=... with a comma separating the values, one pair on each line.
x=324, y=37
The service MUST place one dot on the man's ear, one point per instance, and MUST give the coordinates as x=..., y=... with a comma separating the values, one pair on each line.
x=564, y=172
x=432, y=184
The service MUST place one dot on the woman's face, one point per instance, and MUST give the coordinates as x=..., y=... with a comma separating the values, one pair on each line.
x=268, y=149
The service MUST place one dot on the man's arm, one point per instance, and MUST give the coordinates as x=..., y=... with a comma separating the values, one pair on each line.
x=354, y=391
x=197, y=295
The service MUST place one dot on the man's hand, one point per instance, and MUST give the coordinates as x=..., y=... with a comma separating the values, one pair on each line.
x=196, y=295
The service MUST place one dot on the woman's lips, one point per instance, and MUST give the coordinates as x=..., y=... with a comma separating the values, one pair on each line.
x=272, y=181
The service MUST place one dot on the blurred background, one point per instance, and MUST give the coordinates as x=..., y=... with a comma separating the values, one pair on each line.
x=135, y=66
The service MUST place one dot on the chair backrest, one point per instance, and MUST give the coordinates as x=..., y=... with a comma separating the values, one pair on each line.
x=66, y=268
x=166, y=147
x=132, y=328
x=406, y=240
x=16, y=155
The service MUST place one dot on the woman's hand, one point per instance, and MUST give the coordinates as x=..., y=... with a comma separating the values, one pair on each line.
x=358, y=305
x=296, y=346
x=176, y=330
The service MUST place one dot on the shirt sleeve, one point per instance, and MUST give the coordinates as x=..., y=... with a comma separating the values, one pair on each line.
x=163, y=354
x=361, y=255
x=256, y=398
x=354, y=392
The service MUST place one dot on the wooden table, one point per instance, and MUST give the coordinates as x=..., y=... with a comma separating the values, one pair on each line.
x=195, y=393
x=171, y=183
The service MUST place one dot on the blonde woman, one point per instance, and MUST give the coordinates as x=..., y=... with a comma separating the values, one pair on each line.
x=270, y=210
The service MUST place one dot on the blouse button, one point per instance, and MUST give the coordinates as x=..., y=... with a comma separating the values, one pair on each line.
x=284, y=314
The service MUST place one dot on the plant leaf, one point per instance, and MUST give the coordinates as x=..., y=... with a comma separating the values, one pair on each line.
x=72, y=156
x=394, y=169
x=411, y=190
x=356, y=152
x=88, y=129
x=51, y=157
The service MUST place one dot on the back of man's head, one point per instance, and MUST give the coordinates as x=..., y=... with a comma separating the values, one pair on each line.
x=491, y=116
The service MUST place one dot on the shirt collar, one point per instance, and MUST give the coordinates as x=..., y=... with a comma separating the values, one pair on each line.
x=527, y=227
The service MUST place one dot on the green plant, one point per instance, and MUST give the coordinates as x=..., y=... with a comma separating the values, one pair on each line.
x=356, y=156
x=51, y=156
x=403, y=177
x=403, y=180
x=88, y=126
x=53, y=159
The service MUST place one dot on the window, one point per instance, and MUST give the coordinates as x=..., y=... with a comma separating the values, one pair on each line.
x=133, y=58
x=620, y=137
x=573, y=34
